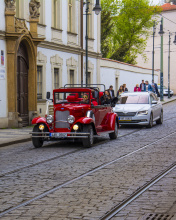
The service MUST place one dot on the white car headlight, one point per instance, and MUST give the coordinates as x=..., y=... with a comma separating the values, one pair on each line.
x=71, y=119
x=49, y=119
x=143, y=113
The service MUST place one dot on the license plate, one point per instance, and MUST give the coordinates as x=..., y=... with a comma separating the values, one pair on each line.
x=58, y=135
x=125, y=118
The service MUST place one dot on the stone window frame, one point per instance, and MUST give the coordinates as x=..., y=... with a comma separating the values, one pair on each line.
x=21, y=12
x=56, y=62
x=42, y=12
x=41, y=61
x=90, y=69
x=58, y=14
x=91, y=20
x=73, y=17
x=72, y=64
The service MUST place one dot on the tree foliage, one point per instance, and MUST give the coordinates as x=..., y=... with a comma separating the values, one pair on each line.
x=125, y=26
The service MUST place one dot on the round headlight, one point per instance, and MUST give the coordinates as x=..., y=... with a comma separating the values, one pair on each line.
x=75, y=127
x=41, y=127
x=71, y=119
x=49, y=119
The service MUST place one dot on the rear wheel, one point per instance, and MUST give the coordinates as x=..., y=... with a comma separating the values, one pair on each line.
x=115, y=133
x=37, y=141
x=88, y=142
x=160, y=120
x=150, y=122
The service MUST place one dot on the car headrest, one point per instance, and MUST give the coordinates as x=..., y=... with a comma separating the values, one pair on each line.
x=100, y=94
x=71, y=98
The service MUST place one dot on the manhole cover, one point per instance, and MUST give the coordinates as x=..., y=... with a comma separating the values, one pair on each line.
x=155, y=216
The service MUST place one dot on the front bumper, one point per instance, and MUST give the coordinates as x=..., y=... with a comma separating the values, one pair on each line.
x=59, y=135
x=135, y=120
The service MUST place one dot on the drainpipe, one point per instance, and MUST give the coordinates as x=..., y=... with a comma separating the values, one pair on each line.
x=81, y=24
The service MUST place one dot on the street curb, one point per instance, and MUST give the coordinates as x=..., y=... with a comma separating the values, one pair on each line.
x=15, y=142
x=168, y=101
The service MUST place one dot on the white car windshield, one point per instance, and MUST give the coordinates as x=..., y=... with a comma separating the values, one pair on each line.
x=134, y=99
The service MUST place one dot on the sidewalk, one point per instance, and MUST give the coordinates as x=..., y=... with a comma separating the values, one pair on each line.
x=13, y=136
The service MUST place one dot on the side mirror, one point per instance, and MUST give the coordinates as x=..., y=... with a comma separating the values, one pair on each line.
x=48, y=95
x=154, y=102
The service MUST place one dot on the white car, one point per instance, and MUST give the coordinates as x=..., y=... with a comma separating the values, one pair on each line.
x=165, y=91
x=139, y=108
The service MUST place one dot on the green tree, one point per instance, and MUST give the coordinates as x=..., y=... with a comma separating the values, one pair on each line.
x=125, y=28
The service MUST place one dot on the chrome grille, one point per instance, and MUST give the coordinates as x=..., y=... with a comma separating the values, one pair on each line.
x=61, y=119
x=126, y=114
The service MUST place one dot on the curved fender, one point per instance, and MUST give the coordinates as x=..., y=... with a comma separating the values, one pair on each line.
x=112, y=120
x=39, y=120
x=85, y=120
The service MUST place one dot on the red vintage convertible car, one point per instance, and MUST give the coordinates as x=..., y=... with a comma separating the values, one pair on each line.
x=78, y=113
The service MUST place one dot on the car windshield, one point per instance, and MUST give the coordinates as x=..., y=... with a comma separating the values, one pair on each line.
x=134, y=99
x=164, y=87
x=69, y=97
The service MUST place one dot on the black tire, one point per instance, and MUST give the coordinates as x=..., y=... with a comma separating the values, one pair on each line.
x=37, y=142
x=150, y=125
x=88, y=142
x=114, y=134
x=160, y=120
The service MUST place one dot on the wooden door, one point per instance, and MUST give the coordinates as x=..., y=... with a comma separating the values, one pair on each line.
x=22, y=85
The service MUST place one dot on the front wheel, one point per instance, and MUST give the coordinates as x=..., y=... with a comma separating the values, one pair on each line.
x=115, y=133
x=160, y=120
x=37, y=141
x=150, y=122
x=88, y=142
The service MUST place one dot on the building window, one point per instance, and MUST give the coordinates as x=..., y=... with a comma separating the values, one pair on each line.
x=56, y=14
x=39, y=82
x=70, y=8
x=56, y=78
x=89, y=78
x=17, y=9
x=41, y=10
x=71, y=76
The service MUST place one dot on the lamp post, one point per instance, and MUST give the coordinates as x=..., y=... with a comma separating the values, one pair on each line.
x=154, y=30
x=97, y=10
x=169, y=68
x=161, y=32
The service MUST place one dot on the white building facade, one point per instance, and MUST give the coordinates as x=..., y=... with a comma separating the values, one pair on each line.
x=169, y=25
x=56, y=42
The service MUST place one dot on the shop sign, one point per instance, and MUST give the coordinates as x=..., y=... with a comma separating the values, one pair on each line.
x=2, y=58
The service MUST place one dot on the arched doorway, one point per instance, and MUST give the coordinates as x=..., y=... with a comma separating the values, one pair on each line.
x=22, y=84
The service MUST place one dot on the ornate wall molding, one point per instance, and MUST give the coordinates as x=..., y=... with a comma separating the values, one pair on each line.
x=20, y=26
x=34, y=6
x=10, y=5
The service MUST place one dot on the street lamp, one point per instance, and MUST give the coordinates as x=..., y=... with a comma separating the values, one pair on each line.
x=161, y=32
x=169, y=68
x=97, y=10
x=154, y=30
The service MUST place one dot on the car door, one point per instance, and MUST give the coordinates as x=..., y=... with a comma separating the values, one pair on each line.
x=154, y=106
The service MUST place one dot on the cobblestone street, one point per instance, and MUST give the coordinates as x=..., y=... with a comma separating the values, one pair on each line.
x=63, y=180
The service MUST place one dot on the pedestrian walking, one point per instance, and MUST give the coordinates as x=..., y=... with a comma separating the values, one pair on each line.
x=120, y=91
x=125, y=88
x=155, y=87
x=111, y=91
x=148, y=86
x=142, y=86
x=137, y=88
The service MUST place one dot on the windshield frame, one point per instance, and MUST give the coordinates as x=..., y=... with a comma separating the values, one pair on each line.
x=65, y=101
x=134, y=103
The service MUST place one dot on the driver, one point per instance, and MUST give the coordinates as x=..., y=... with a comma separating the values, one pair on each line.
x=85, y=99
